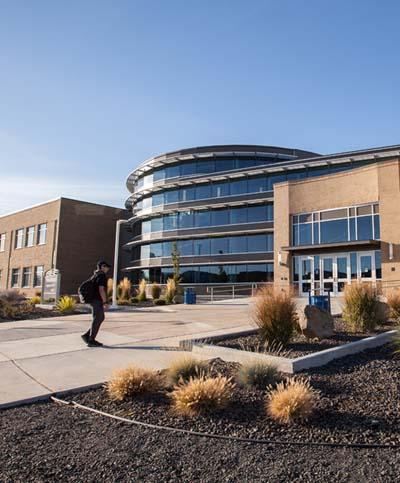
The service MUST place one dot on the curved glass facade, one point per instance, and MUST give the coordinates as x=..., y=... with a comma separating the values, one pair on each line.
x=223, y=224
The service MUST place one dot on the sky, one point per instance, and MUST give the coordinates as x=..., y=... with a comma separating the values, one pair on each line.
x=90, y=89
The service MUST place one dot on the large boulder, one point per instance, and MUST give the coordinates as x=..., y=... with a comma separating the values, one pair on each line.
x=316, y=323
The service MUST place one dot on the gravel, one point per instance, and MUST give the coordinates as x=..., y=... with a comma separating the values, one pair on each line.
x=300, y=345
x=359, y=403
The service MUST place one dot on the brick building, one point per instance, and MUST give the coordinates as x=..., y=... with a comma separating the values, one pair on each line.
x=66, y=234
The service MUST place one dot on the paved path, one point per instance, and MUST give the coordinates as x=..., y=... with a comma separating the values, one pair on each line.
x=44, y=356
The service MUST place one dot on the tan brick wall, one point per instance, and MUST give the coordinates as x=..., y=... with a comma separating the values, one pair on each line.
x=28, y=256
x=378, y=182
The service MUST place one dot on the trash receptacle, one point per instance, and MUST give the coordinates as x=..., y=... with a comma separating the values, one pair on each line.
x=320, y=301
x=189, y=296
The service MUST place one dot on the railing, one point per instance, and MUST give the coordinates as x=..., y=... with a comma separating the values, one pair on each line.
x=234, y=291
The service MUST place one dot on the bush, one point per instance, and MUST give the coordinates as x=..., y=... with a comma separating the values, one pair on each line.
x=159, y=302
x=361, y=310
x=7, y=311
x=275, y=315
x=291, y=401
x=133, y=380
x=142, y=297
x=393, y=300
x=155, y=291
x=170, y=290
x=257, y=374
x=135, y=300
x=203, y=394
x=110, y=283
x=185, y=367
x=66, y=304
x=13, y=296
x=125, y=287
x=123, y=302
x=34, y=300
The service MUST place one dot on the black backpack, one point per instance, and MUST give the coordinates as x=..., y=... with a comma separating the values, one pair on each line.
x=86, y=290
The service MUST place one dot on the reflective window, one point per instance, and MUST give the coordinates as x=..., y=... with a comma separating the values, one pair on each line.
x=185, y=248
x=257, y=243
x=188, y=194
x=202, y=246
x=167, y=249
x=203, y=192
x=188, y=169
x=172, y=171
x=334, y=231
x=202, y=219
x=378, y=264
x=353, y=265
x=219, y=217
x=171, y=221
x=239, y=187
x=377, y=228
x=296, y=269
x=274, y=178
x=219, y=246
x=156, y=250
x=257, y=213
x=305, y=234
x=158, y=175
x=238, y=244
x=364, y=228
x=257, y=184
x=220, y=189
x=238, y=215
x=186, y=219
x=146, y=226
x=205, y=166
x=158, y=199
x=156, y=224
x=224, y=164
x=171, y=196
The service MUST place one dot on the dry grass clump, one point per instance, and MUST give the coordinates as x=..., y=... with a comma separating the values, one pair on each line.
x=13, y=296
x=155, y=291
x=291, y=401
x=393, y=300
x=124, y=289
x=275, y=315
x=361, y=310
x=132, y=380
x=142, y=297
x=257, y=374
x=201, y=395
x=170, y=290
x=183, y=368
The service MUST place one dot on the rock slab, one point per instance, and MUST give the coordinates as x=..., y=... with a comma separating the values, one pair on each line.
x=316, y=323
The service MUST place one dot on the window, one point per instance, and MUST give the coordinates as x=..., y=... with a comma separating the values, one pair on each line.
x=185, y=248
x=364, y=228
x=158, y=199
x=220, y=189
x=170, y=222
x=172, y=171
x=219, y=246
x=19, y=238
x=2, y=242
x=220, y=217
x=156, y=224
x=205, y=167
x=378, y=264
x=257, y=213
x=257, y=243
x=225, y=164
x=203, y=192
x=15, y=277
x=185, y=219
x=239, y=187
x=188, y=194
x=239, y=215
x=334, y=231
x=156, y=250
x=238, y=244
x=26, y=276
x=202, y=218
x=158, y=175
x=171, y=196
x=42, y=231
x=188, y=169
x=257, y=185
x=202, y=246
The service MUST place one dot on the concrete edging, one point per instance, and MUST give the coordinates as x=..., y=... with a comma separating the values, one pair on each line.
x=286, y=364
x=187, y=344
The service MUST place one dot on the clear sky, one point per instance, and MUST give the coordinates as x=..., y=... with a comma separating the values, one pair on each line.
x=89, y=89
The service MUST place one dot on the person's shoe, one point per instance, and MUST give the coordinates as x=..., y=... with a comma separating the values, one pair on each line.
x=94, y=343
x=85, y=338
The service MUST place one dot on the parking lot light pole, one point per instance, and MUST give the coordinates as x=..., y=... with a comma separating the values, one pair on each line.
x=116, y=256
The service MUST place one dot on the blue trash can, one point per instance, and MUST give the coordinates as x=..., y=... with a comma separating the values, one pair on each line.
x=320, y=301
x=189, y=296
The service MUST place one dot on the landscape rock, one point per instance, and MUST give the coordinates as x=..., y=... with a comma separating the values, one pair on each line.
x=316, y=323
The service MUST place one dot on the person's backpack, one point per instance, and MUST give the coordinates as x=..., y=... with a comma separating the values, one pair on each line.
x=86, y=291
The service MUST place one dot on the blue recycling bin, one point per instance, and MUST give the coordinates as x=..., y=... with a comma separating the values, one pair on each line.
x=189, y=296
x=321, y=301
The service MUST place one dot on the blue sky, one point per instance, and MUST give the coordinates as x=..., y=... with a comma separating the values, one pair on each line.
x=89, y=89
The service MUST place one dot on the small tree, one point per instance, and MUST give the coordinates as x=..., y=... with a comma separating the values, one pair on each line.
x=176, y=262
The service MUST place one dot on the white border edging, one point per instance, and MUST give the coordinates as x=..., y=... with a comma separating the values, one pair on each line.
x=288, y=365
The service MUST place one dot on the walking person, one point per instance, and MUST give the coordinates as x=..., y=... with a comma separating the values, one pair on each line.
x=95, y=293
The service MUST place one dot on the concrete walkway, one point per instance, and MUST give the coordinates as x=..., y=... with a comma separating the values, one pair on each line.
x=46, y=356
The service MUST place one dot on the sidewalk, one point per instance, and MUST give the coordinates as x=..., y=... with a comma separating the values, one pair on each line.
x=45, y=356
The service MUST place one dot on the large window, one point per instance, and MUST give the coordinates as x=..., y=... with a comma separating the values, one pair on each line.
x=30, y=236
x=19, y=238
x=26, y=277
x=38, y=276
x=2, y=242
x=208, y=246
x=42, y=233
x=15, y=277
x=337, y=225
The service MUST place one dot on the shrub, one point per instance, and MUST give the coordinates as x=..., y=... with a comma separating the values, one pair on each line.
x=155, y=291
x=291, y=401
x=142, y=297
x=134, y=300
x=185, y=367
x=133, y=380
x=13, y=296
x=159, y=302
x=170, y=290
x=203, y=394
x=66, y=304
x=125, y=287
x=257, y=374
x=110, y=283
x=7, y=311
x=123, y=302
x=393, y=299
x=275, y=315
x=361, y=307
x=34, y=300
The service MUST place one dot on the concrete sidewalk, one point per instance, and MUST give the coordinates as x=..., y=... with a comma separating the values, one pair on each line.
x=46, y=356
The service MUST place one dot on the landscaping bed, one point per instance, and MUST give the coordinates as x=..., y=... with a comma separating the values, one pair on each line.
x=359, y=403
x=301, y=345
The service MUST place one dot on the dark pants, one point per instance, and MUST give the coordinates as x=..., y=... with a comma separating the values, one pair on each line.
x=98, y=317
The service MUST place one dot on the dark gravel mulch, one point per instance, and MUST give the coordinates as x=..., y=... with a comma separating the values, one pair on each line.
x=359, y=403
x=300, y=345
x=38, y=313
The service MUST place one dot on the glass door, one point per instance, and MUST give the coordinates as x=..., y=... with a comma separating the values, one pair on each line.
x=305, y=275
x=342, y=273
x=327, y=278
x=366, y=267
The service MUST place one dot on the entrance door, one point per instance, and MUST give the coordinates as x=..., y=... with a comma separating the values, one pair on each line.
x=327, y=274
x=306, y=279
x=342, y=273
x=366, y=267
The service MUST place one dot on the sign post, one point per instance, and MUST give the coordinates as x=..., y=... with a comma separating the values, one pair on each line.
x=51, y=285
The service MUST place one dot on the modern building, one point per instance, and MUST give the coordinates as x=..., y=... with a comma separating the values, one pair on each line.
x=246, y=214
x=65, y=234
